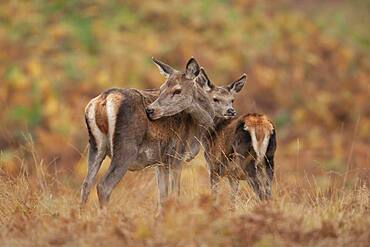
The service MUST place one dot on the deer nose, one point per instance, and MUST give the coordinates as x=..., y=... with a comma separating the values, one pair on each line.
x=149, y=111
x=231, y=112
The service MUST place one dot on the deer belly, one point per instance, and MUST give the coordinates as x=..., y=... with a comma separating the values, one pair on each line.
x=148, y=154
x=136, y=166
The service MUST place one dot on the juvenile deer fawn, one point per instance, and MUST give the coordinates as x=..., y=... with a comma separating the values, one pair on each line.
x=241, y=148
x=119, y=125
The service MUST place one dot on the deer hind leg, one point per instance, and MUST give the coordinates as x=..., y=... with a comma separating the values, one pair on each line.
x=96, y=157
x=264, y=175
x=122, y=156
x=97, y=152
x=269, y=164
x=254, y=180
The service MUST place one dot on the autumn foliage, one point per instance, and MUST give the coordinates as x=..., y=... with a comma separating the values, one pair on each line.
x=308, y=70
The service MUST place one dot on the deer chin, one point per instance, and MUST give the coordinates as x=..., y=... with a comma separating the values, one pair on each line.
x=226, y=116
x=157, y=114
x=154, y=116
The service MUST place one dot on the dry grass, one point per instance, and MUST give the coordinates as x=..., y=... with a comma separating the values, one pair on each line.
x=43, y=209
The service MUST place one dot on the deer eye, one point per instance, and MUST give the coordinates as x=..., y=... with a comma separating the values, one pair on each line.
x=215, y=100
x=177, y=91
x=232, y=101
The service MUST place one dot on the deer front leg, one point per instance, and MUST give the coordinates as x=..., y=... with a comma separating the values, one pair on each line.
x=162, y=174
x=214, y=180
x=95, y=159
x=193, y=149
x=234, y=185
x=175, y=170
x=214, y=177
x=176, y=163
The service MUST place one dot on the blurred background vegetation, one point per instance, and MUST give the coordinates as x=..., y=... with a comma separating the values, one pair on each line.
x=308, y=66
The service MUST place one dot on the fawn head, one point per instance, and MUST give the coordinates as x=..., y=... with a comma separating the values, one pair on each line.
x=222, y=97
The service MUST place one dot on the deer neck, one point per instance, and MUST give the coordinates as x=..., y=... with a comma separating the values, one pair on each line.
x=219, y=125
x=201, y=109
x=219, y=121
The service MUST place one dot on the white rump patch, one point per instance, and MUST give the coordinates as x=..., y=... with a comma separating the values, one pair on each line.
x=259, y=147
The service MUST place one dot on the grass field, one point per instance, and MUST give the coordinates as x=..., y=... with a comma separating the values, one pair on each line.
x=44, y=210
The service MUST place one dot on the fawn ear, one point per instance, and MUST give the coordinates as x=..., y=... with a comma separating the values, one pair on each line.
x=237, y=85
x=203, y=80
x=164, y=69
x=192, y=69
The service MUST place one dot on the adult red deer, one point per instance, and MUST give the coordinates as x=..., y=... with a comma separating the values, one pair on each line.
x=118, y=126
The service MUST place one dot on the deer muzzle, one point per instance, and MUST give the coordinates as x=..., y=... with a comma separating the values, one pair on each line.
x=152, y=113
x=230, y=113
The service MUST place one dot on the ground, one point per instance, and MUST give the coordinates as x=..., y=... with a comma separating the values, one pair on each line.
x=45, y=210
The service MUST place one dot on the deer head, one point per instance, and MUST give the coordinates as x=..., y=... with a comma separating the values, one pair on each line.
x=222, y=97
x=181, y=92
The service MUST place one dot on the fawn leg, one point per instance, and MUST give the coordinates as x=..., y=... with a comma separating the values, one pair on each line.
x=234, y=184
x=269, y=165
x=214, y=180
x=253, y=179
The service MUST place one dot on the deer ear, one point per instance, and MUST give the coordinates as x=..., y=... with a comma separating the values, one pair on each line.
x=164, y=69
x=237, y=85
x=192, y=69
x=203, y=80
